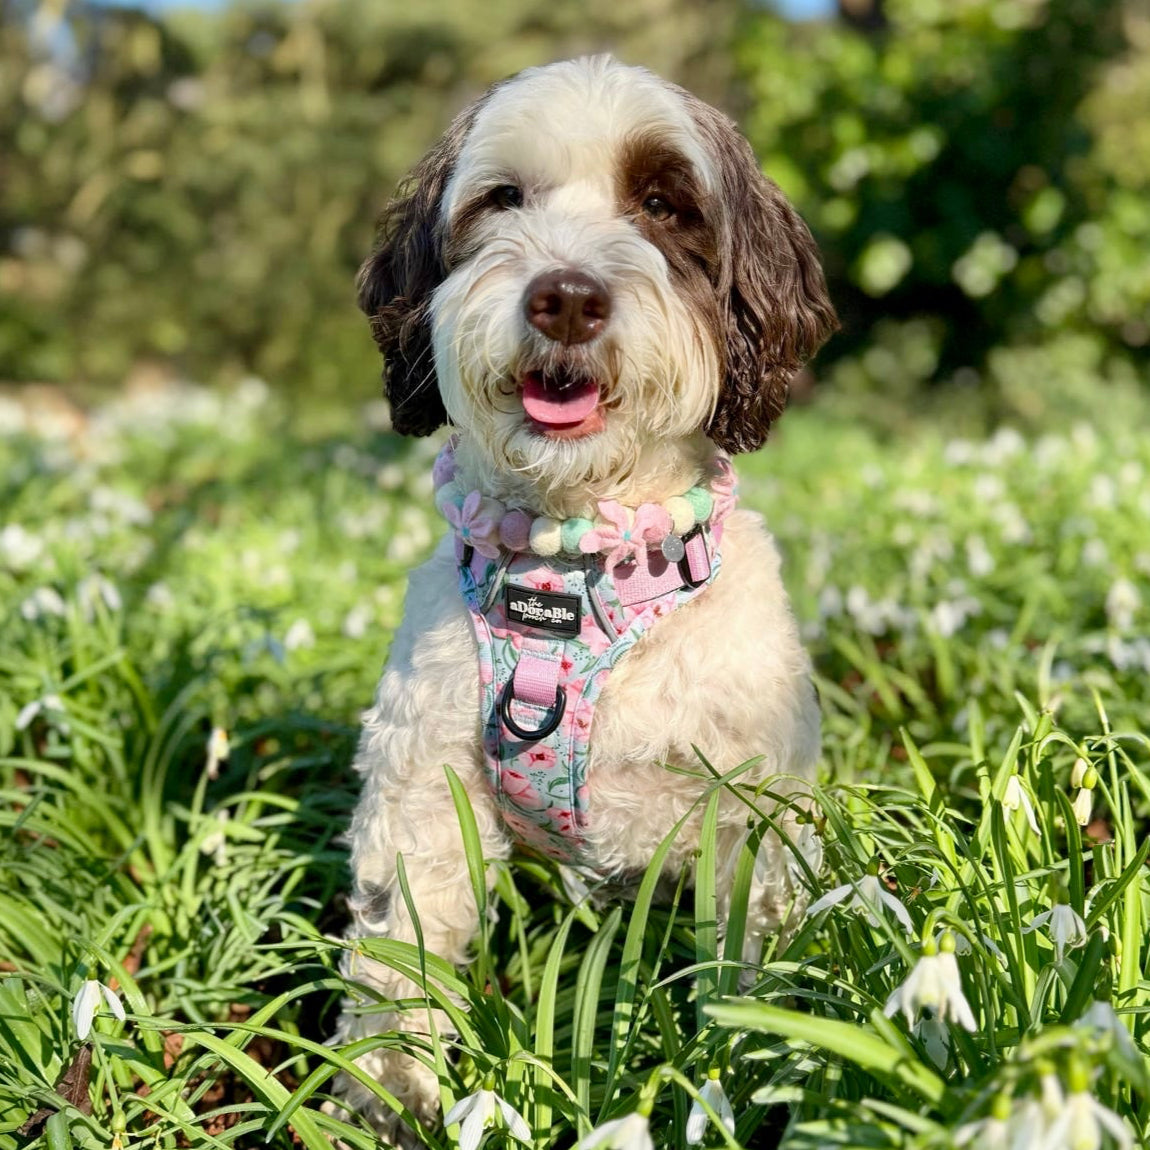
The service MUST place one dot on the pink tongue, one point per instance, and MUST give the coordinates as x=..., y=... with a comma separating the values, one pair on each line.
x=555, y=408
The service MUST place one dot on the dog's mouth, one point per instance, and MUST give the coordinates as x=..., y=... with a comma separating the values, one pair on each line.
x=562, y=404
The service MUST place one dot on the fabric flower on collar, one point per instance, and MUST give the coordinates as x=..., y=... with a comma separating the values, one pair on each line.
x=620, y=535
x=477, y=523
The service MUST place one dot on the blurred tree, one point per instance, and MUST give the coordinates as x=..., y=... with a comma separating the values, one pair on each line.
x=201, y=190
x=961, y=164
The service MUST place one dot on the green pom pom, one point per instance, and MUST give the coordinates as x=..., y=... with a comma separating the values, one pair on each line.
x=572, y=531
x=701, y=503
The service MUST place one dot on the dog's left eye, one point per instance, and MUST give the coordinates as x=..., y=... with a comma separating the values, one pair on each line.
x=507, y=196
x=658, y=207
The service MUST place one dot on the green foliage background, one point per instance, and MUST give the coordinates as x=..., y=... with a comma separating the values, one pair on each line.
x=197, y=191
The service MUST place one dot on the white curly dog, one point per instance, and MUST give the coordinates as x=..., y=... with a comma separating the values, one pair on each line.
x=590, y=279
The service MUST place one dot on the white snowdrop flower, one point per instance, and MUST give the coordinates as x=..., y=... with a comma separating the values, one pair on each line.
x=19, y=548
x=630, y=1133
x=216, y=844
x=946, y=618
x=1103, y=492
x=959, y=452
x=1122, y=603
x=159, y=595
x=1130, y=473
x=988, y=1133
x=1015, y=797
x=979, y=560
x=1051, y=1096
x=1006, y=1127
x=934, y=984
x=1095, y=553
x=376, y=414
x=127, y=508
x=999, y=638
x=357, y=621
x=476, y=1113
x=574, y=885
x=13, y=419
x=713, y=1094
x=1003, y=445
x=390, y=477
x=1078, y=772
x=86, y=1005
x=218, y=749
x=252, y=392
x=1012, y=523
x=289, y=540
x=808, y=845
x=902, y=534
x=962, y=945
x=95, y=589
x=988, y=488
x=1049, y=450
x=1083, y=1123
x=1083, y=805
x=30, y=710
x=299, y=635
x=1064, y=926
x=932, y=1032
x=43, y=601
x=866, y=896
x=830, y=602
x=918, y=503
x=1100, y=1016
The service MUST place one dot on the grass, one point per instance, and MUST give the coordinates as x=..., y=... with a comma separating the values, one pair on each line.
x=977, y=611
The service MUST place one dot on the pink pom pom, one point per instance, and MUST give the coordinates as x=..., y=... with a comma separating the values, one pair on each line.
x=515, y=531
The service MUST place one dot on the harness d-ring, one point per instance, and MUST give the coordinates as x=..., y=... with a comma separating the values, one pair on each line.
x=506, y=698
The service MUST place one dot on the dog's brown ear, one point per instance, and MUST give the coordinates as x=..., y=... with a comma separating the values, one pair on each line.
x=396, y=282
x=777, y=311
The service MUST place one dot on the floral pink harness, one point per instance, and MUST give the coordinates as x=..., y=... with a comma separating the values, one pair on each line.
x=550, y=629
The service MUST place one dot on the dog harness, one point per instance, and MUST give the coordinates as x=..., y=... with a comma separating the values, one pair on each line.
x=550, y=628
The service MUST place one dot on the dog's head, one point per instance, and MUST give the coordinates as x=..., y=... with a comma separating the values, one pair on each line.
x=590, y=260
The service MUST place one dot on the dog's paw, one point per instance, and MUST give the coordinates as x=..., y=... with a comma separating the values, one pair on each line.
x=405, y=1078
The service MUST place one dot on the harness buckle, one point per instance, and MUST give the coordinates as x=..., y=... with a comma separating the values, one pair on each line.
x=507, y=697
x=684, y=564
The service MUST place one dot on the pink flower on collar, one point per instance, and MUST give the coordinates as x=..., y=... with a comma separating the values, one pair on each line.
x=477, y=523
x=620, y=536
x=724, y=489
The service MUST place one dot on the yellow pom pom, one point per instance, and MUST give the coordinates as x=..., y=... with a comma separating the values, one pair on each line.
x=546, y=536
x=682, y=514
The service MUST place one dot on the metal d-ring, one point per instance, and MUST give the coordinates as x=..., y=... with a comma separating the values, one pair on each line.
x=556, y=717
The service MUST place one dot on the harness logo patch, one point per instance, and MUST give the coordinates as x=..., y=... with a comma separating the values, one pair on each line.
x=545, y=610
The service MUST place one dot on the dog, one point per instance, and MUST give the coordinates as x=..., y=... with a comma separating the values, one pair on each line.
x=590, y=279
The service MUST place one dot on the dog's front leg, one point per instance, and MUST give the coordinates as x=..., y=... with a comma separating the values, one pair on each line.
x=425, y=718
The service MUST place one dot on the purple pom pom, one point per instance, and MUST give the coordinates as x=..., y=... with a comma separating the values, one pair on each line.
x=515, y=531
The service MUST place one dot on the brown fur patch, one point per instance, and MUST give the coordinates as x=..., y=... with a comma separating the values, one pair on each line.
x=688, y=239
x=773, y=302
x=396, y=282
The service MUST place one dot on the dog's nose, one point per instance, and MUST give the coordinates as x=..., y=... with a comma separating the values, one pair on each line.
x=567, y=306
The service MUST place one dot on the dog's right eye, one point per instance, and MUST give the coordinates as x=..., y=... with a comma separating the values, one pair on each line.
x=507, y=196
